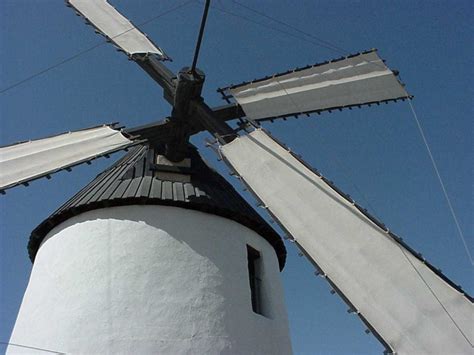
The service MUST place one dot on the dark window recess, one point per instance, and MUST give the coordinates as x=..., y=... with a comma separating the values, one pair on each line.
x=255, y=280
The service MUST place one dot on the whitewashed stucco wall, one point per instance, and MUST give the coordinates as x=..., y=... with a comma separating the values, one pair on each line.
x=148, y=280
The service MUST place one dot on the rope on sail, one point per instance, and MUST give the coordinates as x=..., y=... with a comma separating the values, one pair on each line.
x=435, y=167
x=342, y=165
x=435, y=296
x=30, y=347
x=457, y=224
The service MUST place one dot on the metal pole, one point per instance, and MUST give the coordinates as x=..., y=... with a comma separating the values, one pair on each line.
x=201, y=32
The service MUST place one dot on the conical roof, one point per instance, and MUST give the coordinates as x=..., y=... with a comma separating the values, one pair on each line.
x=141, y=178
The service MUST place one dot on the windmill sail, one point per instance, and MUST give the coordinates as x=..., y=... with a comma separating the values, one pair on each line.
x=26, y=161
x=410, y=305
x=113, y=25
x=353, y=81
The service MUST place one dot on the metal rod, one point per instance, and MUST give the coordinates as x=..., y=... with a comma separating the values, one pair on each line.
x=201, y=33
x=218, y=128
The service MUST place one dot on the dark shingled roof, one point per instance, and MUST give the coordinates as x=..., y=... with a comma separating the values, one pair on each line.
x=132, y=180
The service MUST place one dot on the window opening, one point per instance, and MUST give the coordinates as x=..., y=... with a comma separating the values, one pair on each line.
x=255, y=280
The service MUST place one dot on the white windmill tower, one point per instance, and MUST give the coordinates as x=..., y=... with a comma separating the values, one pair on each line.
x=159, y=254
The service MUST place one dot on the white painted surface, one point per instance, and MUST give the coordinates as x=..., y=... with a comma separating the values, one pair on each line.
x=148, y=280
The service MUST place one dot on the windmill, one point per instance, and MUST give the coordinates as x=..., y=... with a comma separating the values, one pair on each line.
x=223, y=134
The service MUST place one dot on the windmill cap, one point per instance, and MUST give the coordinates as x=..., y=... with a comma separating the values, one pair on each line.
x=144, y=177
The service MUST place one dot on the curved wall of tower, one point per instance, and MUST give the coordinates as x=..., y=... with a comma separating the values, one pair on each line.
x=151, y=279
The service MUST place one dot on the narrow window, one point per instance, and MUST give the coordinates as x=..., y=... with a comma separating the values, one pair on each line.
x=255, y=280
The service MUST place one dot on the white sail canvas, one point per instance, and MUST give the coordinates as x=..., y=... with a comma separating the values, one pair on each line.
x=412, y=308
x=352, y=81
x=115, y=26
x=25, y=161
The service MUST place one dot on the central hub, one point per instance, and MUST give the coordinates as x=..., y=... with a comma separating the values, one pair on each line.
x=188, y=88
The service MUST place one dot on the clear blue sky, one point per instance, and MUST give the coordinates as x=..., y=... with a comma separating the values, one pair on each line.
x=375, y=154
